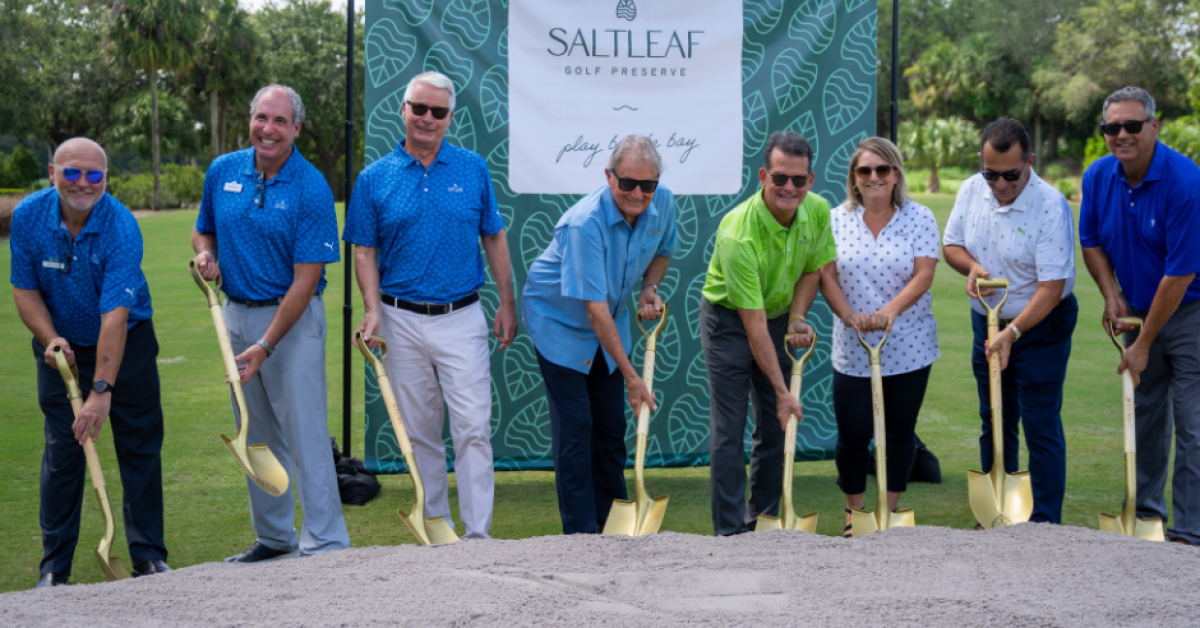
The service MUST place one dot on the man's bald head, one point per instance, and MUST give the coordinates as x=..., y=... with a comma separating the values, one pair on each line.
x=83, y=155
x=80, y=147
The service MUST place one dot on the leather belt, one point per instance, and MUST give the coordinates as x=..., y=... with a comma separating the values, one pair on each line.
x=262, y=303
x=430, y=309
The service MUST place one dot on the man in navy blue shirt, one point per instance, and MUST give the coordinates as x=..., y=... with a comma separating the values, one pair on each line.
x=78, y=284
x=267, y=227
x=417, y=218
x=1140, y=230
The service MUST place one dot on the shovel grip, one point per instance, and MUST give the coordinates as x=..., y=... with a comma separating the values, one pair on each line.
x=643, y=426
x=70, y=375
x=385, y=389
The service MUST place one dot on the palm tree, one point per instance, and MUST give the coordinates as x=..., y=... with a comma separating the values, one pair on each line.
x=229, y=62
x=936, y=143
x=156, y=36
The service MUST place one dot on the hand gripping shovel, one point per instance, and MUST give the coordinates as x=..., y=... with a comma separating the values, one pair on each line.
x=643, y=515
x=257, y=461
x=864, y=521
x=432, y=531
x=1151, y=528
x=998, y=498
x=112, y=567
x=787, y=519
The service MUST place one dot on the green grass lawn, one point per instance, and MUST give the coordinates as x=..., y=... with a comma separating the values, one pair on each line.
x=207, y=514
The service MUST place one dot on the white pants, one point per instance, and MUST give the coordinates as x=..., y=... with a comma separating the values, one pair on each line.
x=450, y=350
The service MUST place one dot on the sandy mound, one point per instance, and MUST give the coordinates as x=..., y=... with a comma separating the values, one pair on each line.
x=1026, y=575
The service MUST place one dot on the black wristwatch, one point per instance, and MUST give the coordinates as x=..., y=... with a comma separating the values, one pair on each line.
x=102, y=386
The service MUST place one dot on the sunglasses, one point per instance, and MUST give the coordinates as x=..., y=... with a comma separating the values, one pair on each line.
x=780, y=180
x=260, y=185
x=865, y=171
x=992, y=175
x=439, y=113
x=626, y=185
x=93, y=176
x=1132, y=127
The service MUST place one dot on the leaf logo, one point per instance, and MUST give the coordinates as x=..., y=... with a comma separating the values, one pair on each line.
x=626, y=10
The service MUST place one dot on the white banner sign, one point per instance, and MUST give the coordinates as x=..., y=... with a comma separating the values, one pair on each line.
x=585, y=73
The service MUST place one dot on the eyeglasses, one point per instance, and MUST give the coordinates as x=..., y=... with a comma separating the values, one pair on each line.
x=626, y=185
x=439, y=113
x=1133, y=127
x=93, y=176
x=780, y=180
x=992, y=175
x=261, y=186
x=865, y=171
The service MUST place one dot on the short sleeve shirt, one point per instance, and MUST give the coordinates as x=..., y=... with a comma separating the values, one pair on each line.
x=595, y=256
x=872, y=271
x=264, y=228
x=80, y=278
x=1030, y=240
x=426, y=223
x=756, y=261
x=1149, y=231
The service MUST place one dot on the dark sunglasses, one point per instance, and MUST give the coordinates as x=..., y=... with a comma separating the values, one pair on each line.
x=93, y=176
x=439, y=113
x=626, y=185
x=865, y=171
x=780, y=180
x=260, y=185
x=992, y=175
x=1133, y=127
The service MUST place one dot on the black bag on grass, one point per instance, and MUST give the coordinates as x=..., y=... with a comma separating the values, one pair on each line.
x=356, y=485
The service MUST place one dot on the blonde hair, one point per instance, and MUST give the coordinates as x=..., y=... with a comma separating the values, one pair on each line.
x=886, y=150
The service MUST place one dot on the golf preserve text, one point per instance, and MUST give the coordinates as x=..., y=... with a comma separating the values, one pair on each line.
x=585, y=73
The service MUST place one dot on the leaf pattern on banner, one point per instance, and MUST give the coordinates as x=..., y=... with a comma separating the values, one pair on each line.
x=754, y=116
x=667, y=287
x=529, y=430
x=389, y=50
x=521, y=372
x=838, y=165
x=813, y=25
x=748, y=434
x=386, y=122
x=687, y=224
x=667, y=352
x=502, y=45
x=752, y=58
x=469, y=21
x=493, y=95
x=709, y=248
x=806, y=125
x=692, y=303
x=719, y=205
x=792, y=78
x=687, y=425
x=853, y=5
x=626, y=10
x=557, y=205
x=697, y=375
x=462, y=128
x=859, y=45
x=762, y=15
x=845, y=100
x=536, y=234
x=442, y=58
x=489, y=297
x=413, y=11
x=496, y=413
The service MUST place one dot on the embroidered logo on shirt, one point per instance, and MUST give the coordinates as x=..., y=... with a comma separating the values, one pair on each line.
x=130, y=291
x=281, y=205
x=654, y=231
x=330, y=247
x=454, y=188
x=233, y=187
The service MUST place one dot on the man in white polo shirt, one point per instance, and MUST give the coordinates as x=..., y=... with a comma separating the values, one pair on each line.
x=1008, y=223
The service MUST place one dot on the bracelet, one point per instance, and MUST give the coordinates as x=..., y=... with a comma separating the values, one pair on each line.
x=1016, y=332
x=650, y=285
x=802, y=319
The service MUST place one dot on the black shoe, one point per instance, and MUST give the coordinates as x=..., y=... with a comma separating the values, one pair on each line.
x=255, y=553
x=151, y=567
x=52, y=580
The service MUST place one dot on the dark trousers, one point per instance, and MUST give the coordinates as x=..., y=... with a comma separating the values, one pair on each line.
x=136, y=421
x=733, y=379
x=587, y=433
x=1032, y=392
x=852, y=403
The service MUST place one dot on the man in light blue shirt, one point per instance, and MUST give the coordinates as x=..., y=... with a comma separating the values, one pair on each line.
x=575, y=304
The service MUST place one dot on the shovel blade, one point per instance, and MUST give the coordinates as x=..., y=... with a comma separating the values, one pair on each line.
x=767, y=522
x=622, y=519
x=654, y=518
x=902, y=518
x=1109, y=523
x=1149, y=529
x=416, y=525
x=439, y=531
x=268, y=474
x=807, y=523
x=862, y=522
x=1018, y=497
x=1014, y=505
x=112, y=567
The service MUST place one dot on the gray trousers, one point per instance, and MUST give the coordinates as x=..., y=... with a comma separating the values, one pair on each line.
x=288, y=406
x=1169, y=396
x=733, y=379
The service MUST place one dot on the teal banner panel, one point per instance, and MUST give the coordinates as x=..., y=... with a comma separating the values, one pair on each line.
x=807, y=66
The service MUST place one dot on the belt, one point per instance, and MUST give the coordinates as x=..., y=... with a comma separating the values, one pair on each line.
x=262, y=303
x=430, y=309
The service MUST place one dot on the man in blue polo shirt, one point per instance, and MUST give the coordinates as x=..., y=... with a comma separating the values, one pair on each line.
x=1140, y=230
x=267, y=228
x=575, y=308
x=78, y=284
x=417, y=218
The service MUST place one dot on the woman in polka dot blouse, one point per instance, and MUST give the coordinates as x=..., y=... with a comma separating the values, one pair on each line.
x=887, y=248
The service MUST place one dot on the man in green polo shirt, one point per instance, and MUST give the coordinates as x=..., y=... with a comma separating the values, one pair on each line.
x=761, y=281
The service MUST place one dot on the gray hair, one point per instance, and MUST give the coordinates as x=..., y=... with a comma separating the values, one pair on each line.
x=432, y=79
x=297, y=104
x=1130, y=93
x=642, y=147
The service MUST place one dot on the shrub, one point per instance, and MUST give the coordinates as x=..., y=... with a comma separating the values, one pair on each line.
x=23, y=168
x=8, y=202
x=134, y=191
x=183, y=184
x=1055, y=171
x=1066, y=187
x=179, y=186
x=1095, y=149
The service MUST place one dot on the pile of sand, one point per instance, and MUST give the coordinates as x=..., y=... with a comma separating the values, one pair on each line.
x=1025, y=575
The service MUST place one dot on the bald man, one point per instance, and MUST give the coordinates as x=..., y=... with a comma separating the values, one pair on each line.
x=78, y=284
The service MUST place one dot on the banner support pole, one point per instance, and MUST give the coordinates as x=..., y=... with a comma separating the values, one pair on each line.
x=348, y=249
x=895, y=131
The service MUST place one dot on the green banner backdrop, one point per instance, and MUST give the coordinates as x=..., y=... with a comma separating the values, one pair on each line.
x=807, y=66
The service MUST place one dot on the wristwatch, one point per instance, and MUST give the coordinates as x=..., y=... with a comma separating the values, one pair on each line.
x=102, y=386
x=262, y=342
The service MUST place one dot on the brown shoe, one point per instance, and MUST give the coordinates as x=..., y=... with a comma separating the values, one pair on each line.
x=1179, y=539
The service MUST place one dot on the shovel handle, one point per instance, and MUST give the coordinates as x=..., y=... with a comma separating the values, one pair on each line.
x=873, y=352
x=385, y=390
x=1132, y=321
x=657, y=330
x=1126, y=386
x=798, y=363
x=212, y=292
x=993, y=312
x=70, y=375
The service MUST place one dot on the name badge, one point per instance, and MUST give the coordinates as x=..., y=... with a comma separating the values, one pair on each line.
x=233, y=187
x=53, y=263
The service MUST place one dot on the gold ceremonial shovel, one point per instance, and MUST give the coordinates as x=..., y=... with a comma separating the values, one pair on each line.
x=1151, y=528
x=260, y=465
x=112, y=567
x=998, y=498
x=787, y=519
x=644, y=515
x=432, y=531
x=864, y=521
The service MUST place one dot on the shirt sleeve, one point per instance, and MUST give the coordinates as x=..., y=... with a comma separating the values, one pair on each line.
x=122, y=263
x=669, y=245
x=1088, y=212
x=491, y=220
x=1183, y=232
x=362, y=217
x=316, y=234
x=956, y=226
x=823, y=249
x=739, y=266
x=583, y=269
x=23, y=273
x=1055, y=255
x=925, y=238
x=205, y=222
